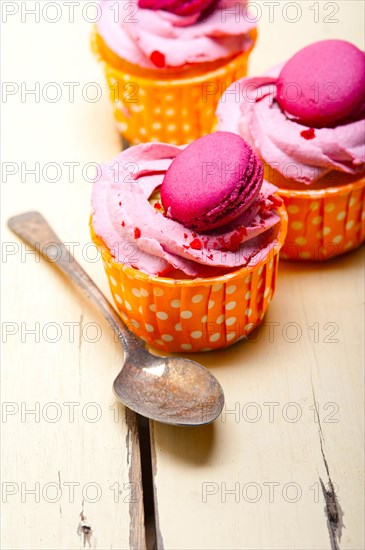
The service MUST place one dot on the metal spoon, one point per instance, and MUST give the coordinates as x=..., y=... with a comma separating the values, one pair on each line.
x=172, y=390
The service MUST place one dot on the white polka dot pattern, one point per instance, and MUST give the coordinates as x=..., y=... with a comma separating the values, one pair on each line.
x=170, y=111
x=188, y=316
x=326, y=223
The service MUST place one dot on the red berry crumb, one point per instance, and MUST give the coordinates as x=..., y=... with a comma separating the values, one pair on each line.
x=185, y=235
x=258, y=99
x=158, y=59
x=158, y=206
x=120, y=204
x=308, y=134
x=210, y=256
x=235, y=239
x=137, y=233
x=122, y=224
x=196, y=244
x=276, y=200
x=194, y=235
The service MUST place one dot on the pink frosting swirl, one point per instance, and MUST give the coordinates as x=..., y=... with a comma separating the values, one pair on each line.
x=298, y=152
x=138, y=234
x=136, y=34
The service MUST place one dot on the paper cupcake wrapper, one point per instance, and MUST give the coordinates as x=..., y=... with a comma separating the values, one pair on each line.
x=324, y=223
x=193, y=315
x=175, y=111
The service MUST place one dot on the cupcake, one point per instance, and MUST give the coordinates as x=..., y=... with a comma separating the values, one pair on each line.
x=190, y=238
x=306, y=120
x=168, y=62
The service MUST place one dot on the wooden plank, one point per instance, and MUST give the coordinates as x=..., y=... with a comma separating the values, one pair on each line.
x=79, y=451
x=191, y=466
x=253, y=479
x=285, y=27
x=79, y=434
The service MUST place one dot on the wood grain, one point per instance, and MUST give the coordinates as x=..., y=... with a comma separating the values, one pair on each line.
x=272, y=378
x=90, y=444
x=254, y=478
x=93, y=445
x=234, y=484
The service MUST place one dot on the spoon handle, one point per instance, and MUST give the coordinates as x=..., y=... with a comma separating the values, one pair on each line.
x=32, y=228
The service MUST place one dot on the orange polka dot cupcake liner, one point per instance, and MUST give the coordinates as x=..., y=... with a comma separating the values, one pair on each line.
x=193, y=315
x=324, y=223
x=171, y=110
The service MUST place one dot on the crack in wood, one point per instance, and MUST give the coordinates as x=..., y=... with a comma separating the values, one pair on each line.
x=150, y=517
x=159, y=540
x=334, y=514
x=128, y=438
x=84, y=529
x=137, y=534
x=333, y=510
x=80, y=344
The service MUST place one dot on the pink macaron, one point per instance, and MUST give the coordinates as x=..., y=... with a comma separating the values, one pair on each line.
x=323, y=85
x=184, y=7
x=212, y=181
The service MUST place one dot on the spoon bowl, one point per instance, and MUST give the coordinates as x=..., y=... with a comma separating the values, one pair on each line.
x=172, y=389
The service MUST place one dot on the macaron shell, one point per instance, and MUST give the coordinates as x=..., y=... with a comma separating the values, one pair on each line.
x=323, y=84
x=185, y=7
x=212, y=181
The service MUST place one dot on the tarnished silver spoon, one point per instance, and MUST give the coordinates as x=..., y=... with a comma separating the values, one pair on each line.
x=173, y=390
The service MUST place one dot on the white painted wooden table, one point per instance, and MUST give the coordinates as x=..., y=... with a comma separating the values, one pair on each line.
x=293, y=420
